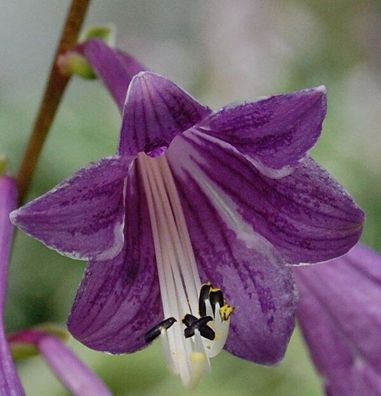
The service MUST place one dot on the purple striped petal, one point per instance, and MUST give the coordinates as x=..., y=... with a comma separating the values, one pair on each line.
x=83, y=216
x=307, y=216
x=156, y=110
x=118, y=300
x=251, y=273
x=273, y=133
x=114, y=67
x=340, y=315
x=10, y=384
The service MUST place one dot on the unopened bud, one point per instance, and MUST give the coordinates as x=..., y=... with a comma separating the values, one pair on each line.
x=72, y=62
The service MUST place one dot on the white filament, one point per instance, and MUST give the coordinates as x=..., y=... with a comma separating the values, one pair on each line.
x=178, y=275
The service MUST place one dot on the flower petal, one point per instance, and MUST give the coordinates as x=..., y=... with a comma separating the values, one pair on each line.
x=75, y=376
x=83, y=216
x=248, y=269
x=119, y=300
x=307, y=216
x=10, y=384
x=273, y=133
x=156, y=110
x=340, y=315
x=114, y=67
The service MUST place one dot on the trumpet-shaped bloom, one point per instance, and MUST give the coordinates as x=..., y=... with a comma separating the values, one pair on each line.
x=195, y=196
x=340, y=315
x=10, y=384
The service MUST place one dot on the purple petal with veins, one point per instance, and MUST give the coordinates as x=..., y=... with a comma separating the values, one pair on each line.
x=83, y=216
x=156, y=110
x=307, y=216
x=273, y=133
x=246, y=267
x=340, y=315
x=118, y=300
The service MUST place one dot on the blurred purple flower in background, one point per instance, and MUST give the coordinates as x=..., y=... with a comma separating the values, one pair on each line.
x=74, y=375
x=227, y=197
x=340, y=315
x=9, y=381
x=68, y=368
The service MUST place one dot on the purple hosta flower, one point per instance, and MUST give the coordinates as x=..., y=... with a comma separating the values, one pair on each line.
x=73, y=374
x=340, y=315
x=192, y=197
x=9, y=382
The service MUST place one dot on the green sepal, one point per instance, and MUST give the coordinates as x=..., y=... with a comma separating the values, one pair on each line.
x=73, y=63
x=55, y=330
x=3, y=165
x=22, y=350
x=104, y=33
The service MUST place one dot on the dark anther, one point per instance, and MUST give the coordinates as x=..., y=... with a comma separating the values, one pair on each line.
x=189, y=320
x=155, y=331
x=204, y=295
x=207, y=332
x=200, y=325
x=216, y=296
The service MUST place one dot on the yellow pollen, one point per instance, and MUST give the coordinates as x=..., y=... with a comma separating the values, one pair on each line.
x=198, y=357
x=226, y=311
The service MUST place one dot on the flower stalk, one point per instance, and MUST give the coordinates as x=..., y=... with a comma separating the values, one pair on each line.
x=54, y=90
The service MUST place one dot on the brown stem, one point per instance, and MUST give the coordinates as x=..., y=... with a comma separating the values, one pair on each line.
x=52, y=96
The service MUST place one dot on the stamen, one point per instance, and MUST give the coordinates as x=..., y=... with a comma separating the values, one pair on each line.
x=195, y=324
x=211, y=304
x=157, y=330
x=204, y=296
x=192, y=324
x=167, y=352
x=201, y=326
x=189, y=319
x=226, y=311
x=207, y=333
x=199, y=361
x=216, y=296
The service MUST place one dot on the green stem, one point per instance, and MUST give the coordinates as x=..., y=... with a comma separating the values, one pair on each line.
x=52, y=96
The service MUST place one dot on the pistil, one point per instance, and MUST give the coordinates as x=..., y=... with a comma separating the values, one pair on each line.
x=187, y=346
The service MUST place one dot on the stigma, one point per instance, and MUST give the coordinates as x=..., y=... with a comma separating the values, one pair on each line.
x=196, y=317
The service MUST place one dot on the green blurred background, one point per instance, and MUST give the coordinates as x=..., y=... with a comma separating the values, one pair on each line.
x=222, y=51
